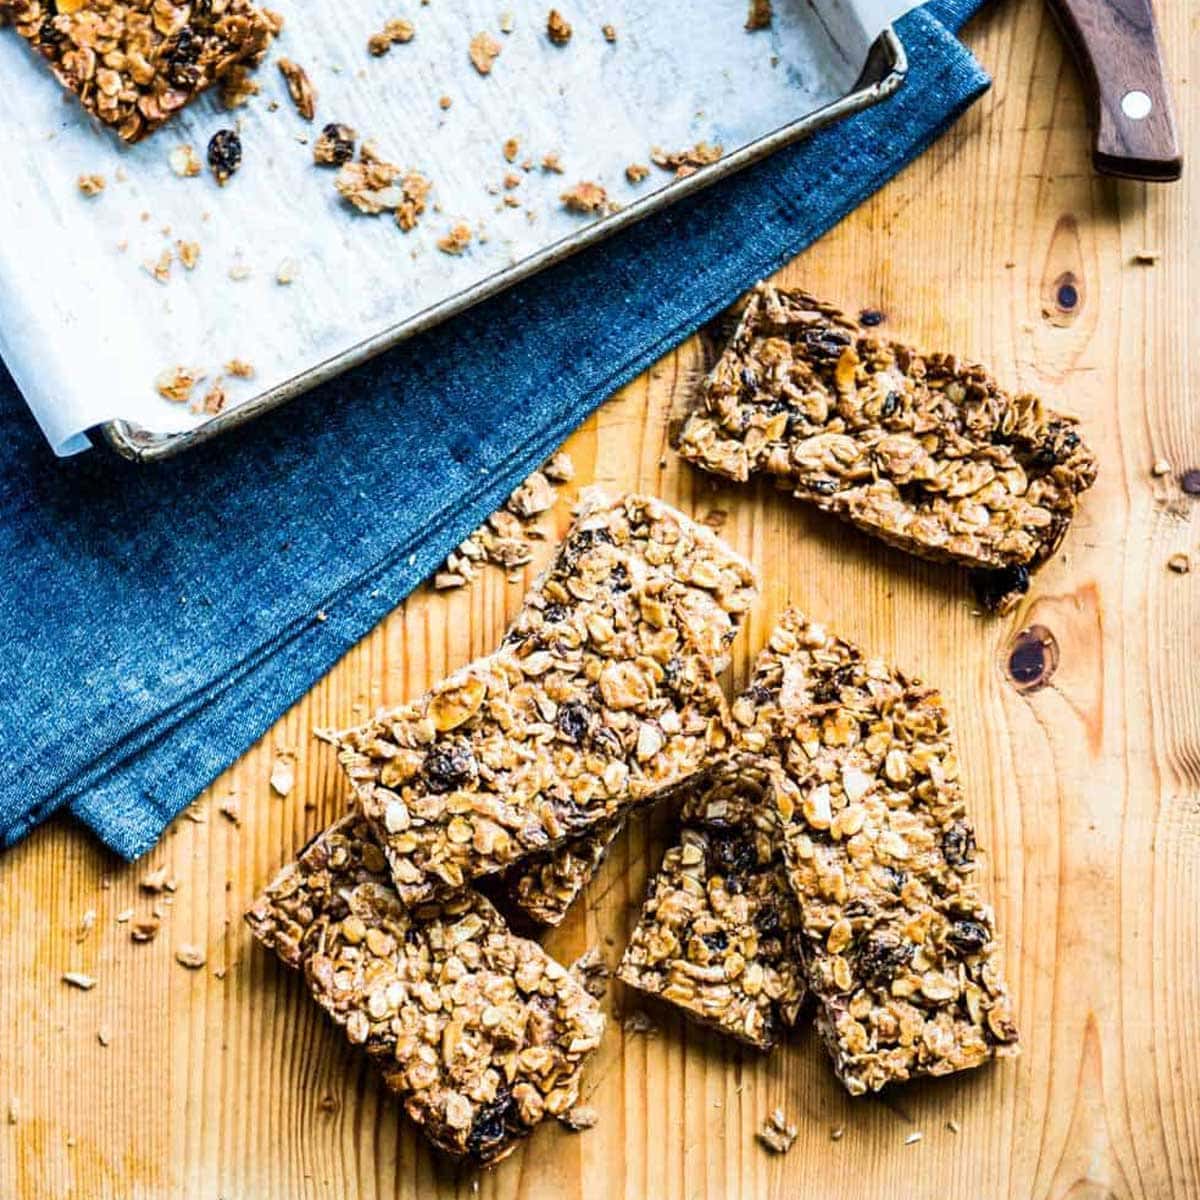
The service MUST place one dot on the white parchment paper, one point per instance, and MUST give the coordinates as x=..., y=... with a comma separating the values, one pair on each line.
x=85, y=328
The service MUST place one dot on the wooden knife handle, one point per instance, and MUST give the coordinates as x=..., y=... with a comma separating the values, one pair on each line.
x=1116, y=44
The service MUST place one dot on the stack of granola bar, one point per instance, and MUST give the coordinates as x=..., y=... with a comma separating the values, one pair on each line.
x=519, y=766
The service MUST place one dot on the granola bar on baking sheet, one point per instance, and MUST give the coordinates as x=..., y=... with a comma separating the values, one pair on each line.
x=924, y=451
x=900, y=950
x=718, y=932
x=536, y=744
x=480, y=1033
x=635, y=565
x=134, y=63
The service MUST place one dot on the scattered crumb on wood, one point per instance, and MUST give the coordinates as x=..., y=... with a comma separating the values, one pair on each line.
x=104, y=1035
x=190, y=956
x=283, y=775
x=581, y=1117
x=87, y=922
x=1180, y=563
x=155, y=881
x=1160, y=468
x=77, y=979
x=777, y=1133
x=913, y=1138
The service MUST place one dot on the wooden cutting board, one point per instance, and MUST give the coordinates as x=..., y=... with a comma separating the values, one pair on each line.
x=225, y=1082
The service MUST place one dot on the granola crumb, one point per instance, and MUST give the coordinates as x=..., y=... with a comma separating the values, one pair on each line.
x=837, y=1133
x=104, y=1035
x=90, y=185
x=551, y=163
x=236, y=87
x=636, y=172
x=300, y=88
x=77, y=979
x=445, y=580
x=686, y=162
x=913, y=1138
x=196, y=813
x=1181, y=564
x=286, y=272
x=456, y=241
x=558, y=29
x=593, y=972
x=124, y=915
x=145, y=929
x=581, y=1117
x=585, y=197
x=953, y=1126
x=176, y=383
x=1146, y=258
x=239, y=368
x=159, y=268
x=283, y=775
x=191, y=957
x=610, y=32
x=239, y=271
x=777, y=1133
x=397, y=30
x=483, y=51
x=334, y=145
x=510, y=149
x=230, y=811
x=444, y=102
x=759, y=16
x=213, y=400
x=1160, y=468
x=87, y=922
x=189, y=254
x=559, y=468
x=507, y=22
x=14, y=1110
x=512, y=180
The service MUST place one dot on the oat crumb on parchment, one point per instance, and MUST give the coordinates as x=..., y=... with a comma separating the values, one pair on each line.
x=777, y=1133
x=558, y=28
x=90, y=185
x=510, y=149
x=484, y=50
x=686, y=162
x=189, y=254
x=444, y=102
x=159, y=268
x=396, y=31
x=551, y=163
x=239, y=368
x=334, y=145
x=286, y=272
x=184, y=161
x=585, y=197
x=237, y=87
x=300, y=88
x=636, y=172
x=176, y=383
x=456, y=240
x=507, y=22
x=610, y=32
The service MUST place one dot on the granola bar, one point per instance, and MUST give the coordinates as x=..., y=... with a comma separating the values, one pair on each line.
x=480, y=1033
x=924, y=451
x=536, y=744
x=718, y=933
x=639, y=566
x=134, y=63
x=899, y=949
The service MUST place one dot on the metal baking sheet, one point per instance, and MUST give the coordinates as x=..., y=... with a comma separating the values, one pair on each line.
x=87, y=327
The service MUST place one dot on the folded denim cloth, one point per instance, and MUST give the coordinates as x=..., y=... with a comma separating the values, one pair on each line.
x=160, y=618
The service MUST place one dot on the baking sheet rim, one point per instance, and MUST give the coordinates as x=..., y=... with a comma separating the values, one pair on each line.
x=133, y=442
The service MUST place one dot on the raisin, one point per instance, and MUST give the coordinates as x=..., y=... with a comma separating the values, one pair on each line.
x=881, y=955
x=618, y=578
x=758, y=694
x=224, y=154
x=573, y=720
x=180, y=60
x=958, y=844
x=49, y=34
x=671, y=669
x=826, y=692
x=892, y=878
x=554, y=612
x=733, y=855
x=870, y=317
x=967, y=937
x=449, y=767
x=715, y=941
x=994, y=586
x=578, y=544
x=491, y=1124
x=767, y=921
x=749, y=379
x=891, y=402
x=822, y=487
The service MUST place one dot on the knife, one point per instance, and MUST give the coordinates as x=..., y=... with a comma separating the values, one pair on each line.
x=1116, y=45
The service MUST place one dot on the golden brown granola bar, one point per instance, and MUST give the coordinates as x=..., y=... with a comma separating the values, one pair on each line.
x=635, y=565
x=480, y=1033
x=900, y=951
x=718, y=933
x=924, y=451
x=134, y=63
x=530, y=747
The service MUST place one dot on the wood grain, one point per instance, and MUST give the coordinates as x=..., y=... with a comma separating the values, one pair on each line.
x=1087, y=792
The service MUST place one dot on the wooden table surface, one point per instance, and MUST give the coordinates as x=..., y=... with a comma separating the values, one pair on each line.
x=226, y=1082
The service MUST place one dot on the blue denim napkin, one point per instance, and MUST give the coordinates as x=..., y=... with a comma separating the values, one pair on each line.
x=158, y=619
